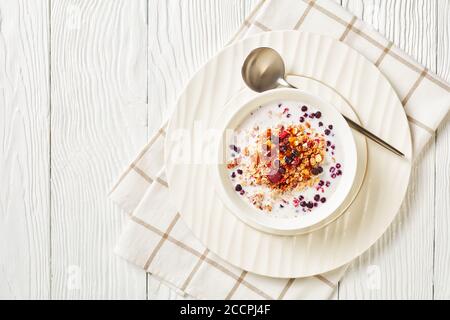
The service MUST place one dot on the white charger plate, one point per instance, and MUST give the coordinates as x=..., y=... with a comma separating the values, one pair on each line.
x=364, y=88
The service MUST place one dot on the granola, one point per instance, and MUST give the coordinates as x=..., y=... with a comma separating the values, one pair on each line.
x=292, y=164
x=287, y=158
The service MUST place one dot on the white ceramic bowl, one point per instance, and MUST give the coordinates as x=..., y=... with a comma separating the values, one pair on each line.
x=321, y=215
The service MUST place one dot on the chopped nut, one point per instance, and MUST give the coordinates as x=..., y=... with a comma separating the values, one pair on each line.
x=282, y=158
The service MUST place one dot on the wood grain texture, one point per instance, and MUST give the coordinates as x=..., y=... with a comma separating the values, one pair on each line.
x=400, y=264
x=99, y=120
x=24, y=150
x=442, y=202
x=182, y=36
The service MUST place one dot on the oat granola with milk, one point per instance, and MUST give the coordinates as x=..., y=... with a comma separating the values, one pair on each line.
x=284, y=156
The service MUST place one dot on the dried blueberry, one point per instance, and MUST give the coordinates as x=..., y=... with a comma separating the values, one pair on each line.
x=304, y=108
x=338, y=165
x=238, y=187
x=321, y=124
x=302, y=119
x=330, y=127
x=318, y=114
x=288, y=160
x=328, y=184
x=235, y=148
x=303, y=204
x=323, y=200
x=321, y=183
x=317, y=197
x=310, y=205
x=233, y=175
x=239, y=171
x=327, y=132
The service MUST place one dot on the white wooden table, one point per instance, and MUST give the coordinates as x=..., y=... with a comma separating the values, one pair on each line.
x=82, y=86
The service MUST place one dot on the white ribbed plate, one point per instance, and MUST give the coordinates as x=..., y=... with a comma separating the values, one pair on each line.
x=363, y=87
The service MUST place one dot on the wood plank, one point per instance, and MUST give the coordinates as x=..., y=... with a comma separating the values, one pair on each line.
x=442, y=222
x=99, y=122
x=24, y=151
x=182, y=36
x=400, y=265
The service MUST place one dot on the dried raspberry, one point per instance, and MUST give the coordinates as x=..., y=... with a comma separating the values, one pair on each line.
x=283, y=135
x=275, y=178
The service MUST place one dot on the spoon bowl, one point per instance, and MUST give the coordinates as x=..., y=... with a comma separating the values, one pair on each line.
x=263, y=69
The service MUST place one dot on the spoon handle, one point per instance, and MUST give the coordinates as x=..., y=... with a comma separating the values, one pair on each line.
x=354, y=125
x=372, y=137
x=282, y=82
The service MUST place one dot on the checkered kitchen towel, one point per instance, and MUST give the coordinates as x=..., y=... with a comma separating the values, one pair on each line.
x=156, y=239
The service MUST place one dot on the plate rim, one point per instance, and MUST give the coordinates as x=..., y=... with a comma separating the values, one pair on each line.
x=283, y=230
x=262, y=38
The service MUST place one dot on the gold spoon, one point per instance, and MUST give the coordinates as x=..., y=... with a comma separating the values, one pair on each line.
x=264, y=69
